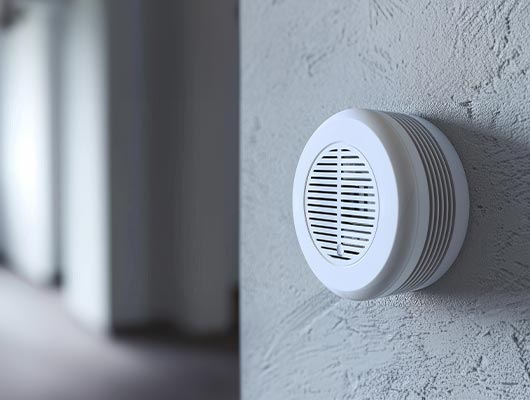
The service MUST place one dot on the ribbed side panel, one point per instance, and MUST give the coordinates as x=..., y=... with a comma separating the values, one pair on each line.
x=442, y=202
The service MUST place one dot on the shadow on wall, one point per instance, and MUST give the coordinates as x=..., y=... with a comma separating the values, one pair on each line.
x=493, y=263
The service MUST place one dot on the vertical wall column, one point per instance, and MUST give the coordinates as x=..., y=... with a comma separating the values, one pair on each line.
x=85, y=165
x=104, y=174
x=28, y=134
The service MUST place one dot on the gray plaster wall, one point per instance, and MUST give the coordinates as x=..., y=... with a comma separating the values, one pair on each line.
x=464, y=65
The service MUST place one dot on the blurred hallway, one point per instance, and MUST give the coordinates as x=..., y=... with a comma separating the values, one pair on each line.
x=119, y=184
x=47, y=355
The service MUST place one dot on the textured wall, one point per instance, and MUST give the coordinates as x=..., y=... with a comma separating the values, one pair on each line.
x=463, y=65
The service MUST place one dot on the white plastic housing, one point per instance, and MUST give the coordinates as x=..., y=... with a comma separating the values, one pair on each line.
x=380, y=203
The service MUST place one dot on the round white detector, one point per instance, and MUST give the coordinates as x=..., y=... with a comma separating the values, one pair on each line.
x=380, y=203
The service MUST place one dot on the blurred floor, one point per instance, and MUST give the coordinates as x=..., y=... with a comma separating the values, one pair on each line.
x=45, y=355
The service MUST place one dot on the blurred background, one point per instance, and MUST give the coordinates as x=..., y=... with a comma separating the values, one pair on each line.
x=119, y=136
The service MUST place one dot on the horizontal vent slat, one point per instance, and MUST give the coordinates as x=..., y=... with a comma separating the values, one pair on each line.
x=354, y=199
x=319, y=193
x=357, y=214
x=355, y=188
x=353, y=239
x=323, y=224
x=322, y=208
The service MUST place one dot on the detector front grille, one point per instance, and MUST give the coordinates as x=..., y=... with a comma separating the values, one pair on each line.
x=341, y=204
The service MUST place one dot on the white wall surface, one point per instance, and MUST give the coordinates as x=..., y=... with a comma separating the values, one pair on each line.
x=27, y=151
x=85, y=166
